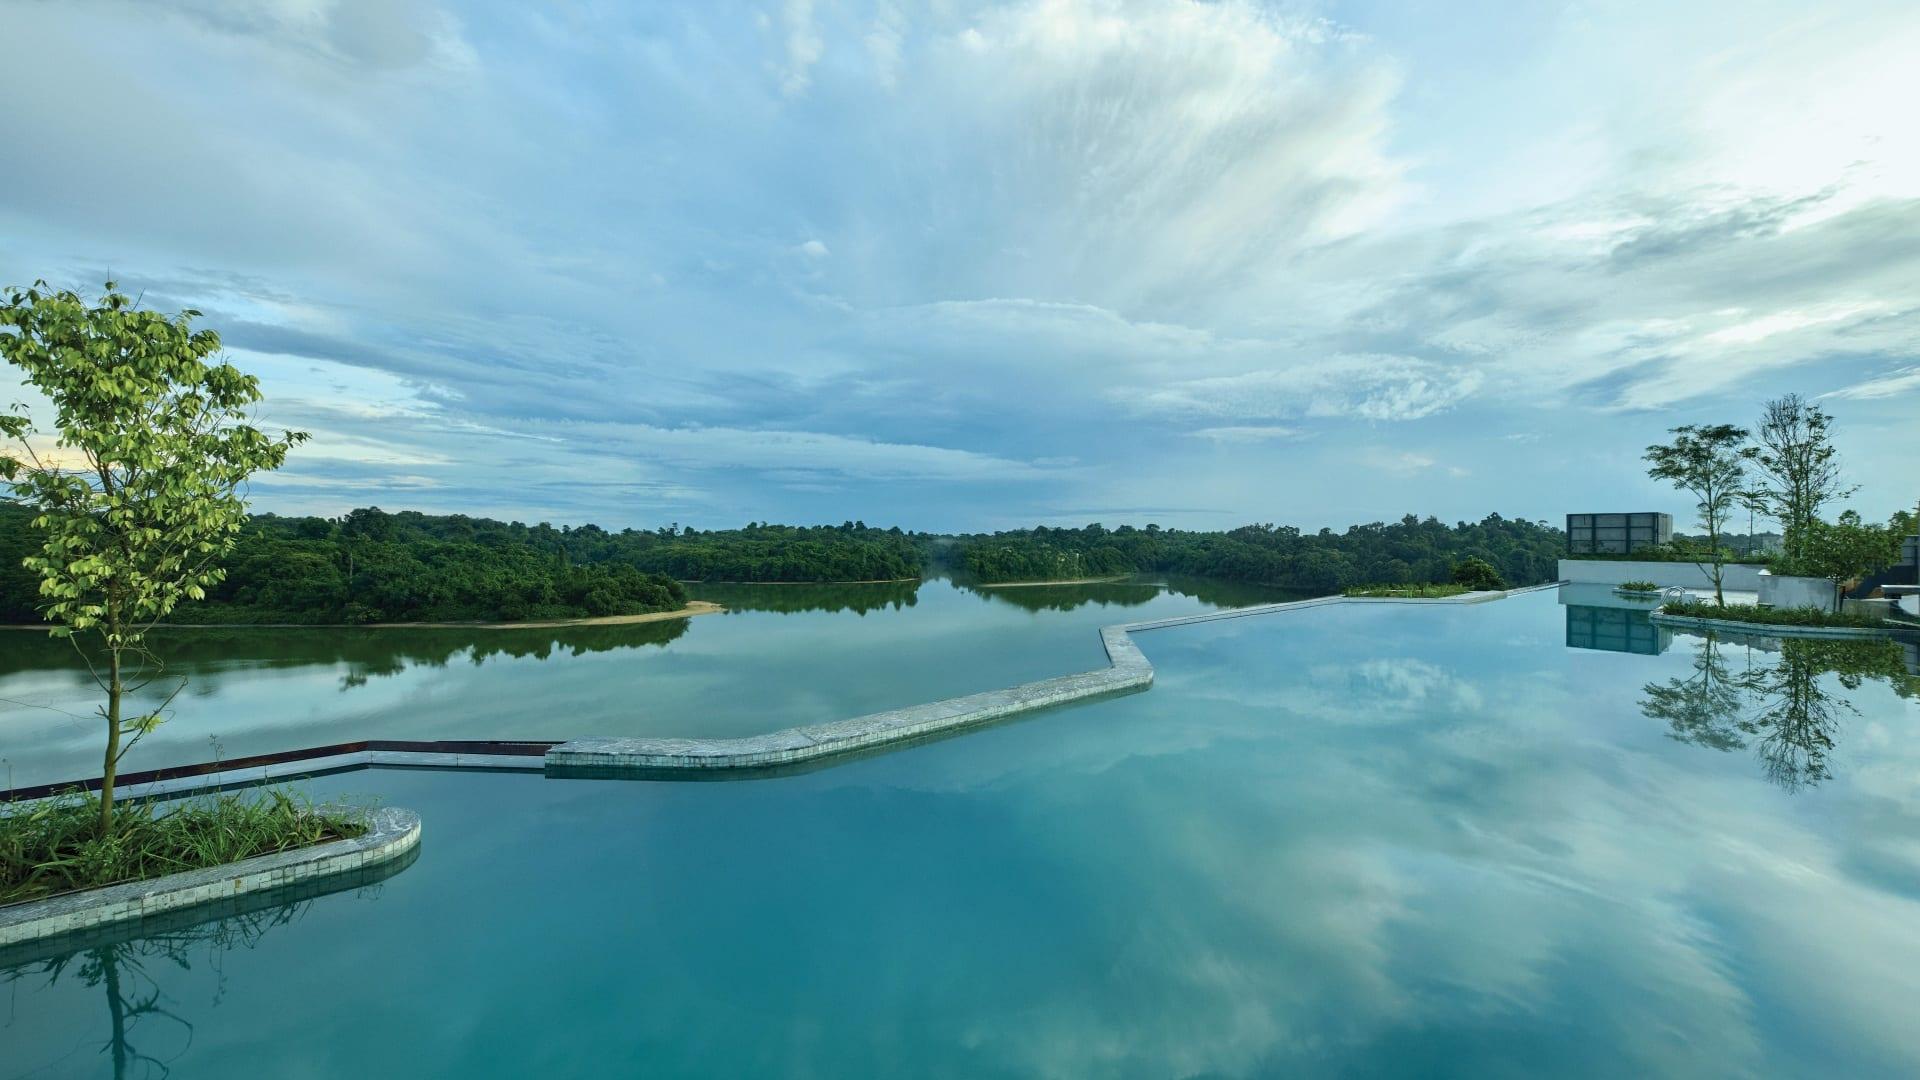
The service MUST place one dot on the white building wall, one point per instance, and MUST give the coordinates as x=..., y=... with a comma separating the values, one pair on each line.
x=1790, y=592
x=1734, y=576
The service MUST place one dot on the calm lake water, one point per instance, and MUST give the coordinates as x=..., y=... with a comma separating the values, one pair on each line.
x=782, y=655
x=1531, y=837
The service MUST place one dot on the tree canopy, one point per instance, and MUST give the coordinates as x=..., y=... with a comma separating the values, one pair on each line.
x=1411, y=550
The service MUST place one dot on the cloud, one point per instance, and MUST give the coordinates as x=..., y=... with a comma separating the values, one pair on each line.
x=803, y=46
x=1000, y=230
x=1370, y=387
x=1902, y=381
x=1247, y=433
x=1406, y=462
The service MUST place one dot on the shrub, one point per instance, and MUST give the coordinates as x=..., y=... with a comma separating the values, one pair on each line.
x=1772, y=616
x=1477, y=574
x=55, y=846
x=1638, y=586
x=1420, y=592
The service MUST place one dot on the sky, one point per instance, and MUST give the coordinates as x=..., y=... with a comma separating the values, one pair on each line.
x=964, y=267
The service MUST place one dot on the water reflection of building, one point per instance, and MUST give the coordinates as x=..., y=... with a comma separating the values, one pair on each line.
x=1615, y=630
x=1599, y=618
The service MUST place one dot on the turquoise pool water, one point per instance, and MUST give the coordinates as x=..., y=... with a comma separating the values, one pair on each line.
x=781, y=656
x=1378, y=840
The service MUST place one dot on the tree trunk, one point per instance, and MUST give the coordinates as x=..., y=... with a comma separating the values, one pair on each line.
x=1713, y=543
x=116, y=1008
x=107, y=767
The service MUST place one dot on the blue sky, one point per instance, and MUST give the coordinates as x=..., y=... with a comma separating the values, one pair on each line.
x=960, y=266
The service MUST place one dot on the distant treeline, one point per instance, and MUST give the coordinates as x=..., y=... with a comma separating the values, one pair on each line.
x=846, y=552
x=371, y=566
x=1409, y=550
x=374, y=566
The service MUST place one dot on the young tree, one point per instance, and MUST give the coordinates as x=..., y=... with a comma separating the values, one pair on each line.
x=1848, y=549
x=1708, y=462
x=1799, y=468
x=139, y=495
x=1755, y=503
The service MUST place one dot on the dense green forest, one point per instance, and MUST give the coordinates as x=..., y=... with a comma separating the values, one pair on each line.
x=370, y=566
x=374, y=566
x=847, y=552
x=19, y=588
x=858, y=597
x=1409, y=550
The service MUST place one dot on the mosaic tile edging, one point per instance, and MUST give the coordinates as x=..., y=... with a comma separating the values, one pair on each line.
x=391, y=832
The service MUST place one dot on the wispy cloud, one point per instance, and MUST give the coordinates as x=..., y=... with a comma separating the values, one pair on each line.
x=1371, y=387
x=1247, y=433
x=871, y=258
x=1903, y=381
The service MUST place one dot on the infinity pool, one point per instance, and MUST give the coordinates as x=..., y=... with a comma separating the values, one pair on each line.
x=1350, y=840
x=781, y=656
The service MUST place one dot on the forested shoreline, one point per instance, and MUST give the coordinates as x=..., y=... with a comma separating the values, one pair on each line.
x=372, y=566
x=1409, y=551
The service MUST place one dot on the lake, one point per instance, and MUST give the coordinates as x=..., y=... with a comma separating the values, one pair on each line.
x=1529, y=837
x=781, y=656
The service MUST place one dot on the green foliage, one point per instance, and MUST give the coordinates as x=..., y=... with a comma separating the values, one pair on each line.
x=1680, y=550
x=857, y=597
x=1637, y=586
x=19, y=587
x=1799, y=469
x=996, y=561
x=138, y=497
x=1421, y=592
x=1478, y=574
x=374, y=566
x=1771, y=616
x=55, y=846
x=371, y=566
x=1844, y=550
x=1782, y=709
x=1411, y=550
x=1709, y=462
x=849, y=552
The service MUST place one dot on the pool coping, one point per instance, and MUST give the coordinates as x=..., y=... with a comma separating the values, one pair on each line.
x=1773, y=629
x=392, y=832
x=1127, y=670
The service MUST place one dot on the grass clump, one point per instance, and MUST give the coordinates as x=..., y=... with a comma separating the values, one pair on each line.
x=55, y=846
x=1637, y=586
x=1417, y=592
x=1773, y=616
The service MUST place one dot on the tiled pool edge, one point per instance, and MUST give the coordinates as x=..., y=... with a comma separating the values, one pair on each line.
x=392, y=832
x=1128, y=669
x=1690, y=622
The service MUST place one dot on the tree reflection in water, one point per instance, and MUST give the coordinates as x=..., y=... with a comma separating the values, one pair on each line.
x=1132, y=592
x=1779, y=704
x=129, y=962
